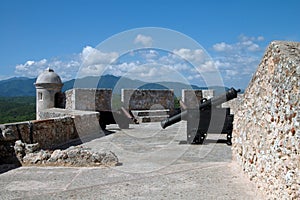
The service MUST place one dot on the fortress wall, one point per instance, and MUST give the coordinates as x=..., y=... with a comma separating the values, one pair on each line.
x=191, y=98
x=266, y=136
x=89, y=99
x=48, y=132
x=208, y=94
x=85, y=122
x=53, y=132
x=62, y=128
x=148, y=99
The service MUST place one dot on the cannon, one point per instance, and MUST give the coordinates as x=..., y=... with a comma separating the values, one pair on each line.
x=121, y=117
x=208, y=118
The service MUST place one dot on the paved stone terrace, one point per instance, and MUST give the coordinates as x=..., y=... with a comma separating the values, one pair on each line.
x=155, y=164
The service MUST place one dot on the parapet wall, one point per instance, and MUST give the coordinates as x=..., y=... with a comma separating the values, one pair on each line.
x=49, y=133
x=57, y=127
x=191, y=98
x=89, y=99
x=85, y=122
x=266, y=136
x=147, y=99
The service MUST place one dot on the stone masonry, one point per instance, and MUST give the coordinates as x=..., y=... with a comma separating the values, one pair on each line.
x=148, y=99
x=89, y=99
x=191, y=98
x=266, y=136
x=49, y=133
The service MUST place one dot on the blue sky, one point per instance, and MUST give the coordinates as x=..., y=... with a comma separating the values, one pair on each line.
x=39, y=34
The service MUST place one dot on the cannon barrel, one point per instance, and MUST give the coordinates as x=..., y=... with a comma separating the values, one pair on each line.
x=172, y=120
x=215, y=101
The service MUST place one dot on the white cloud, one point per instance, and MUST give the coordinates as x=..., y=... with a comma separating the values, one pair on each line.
x=232, y=73
x=243, y=37
x=92, y=56
x=237, y=66
x=197, y=55
x=245, y=43
x=238, y=61
x=234, y=61
x=31, y=68
x=143, y=40
x=153, y=72
x=66, y=69
x=163, y=66
x=222, y=47
x=260, y=38
x=94, y=62
x=151, y=65
x=253, y=47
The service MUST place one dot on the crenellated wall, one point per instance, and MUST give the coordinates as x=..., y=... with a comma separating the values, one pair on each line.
x=266, y=136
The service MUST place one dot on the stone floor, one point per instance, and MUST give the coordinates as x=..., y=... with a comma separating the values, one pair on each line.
x=154, y=164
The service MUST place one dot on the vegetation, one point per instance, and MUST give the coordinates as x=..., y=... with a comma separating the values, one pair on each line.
x=116, y=102
x=177, y=103
x=16, y=109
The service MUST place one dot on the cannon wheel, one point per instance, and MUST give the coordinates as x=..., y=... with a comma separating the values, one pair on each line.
x=199, y=139
x=202, y=137
x=229, y=137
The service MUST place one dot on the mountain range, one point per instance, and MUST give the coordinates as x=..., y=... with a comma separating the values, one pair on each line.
x=23, y=86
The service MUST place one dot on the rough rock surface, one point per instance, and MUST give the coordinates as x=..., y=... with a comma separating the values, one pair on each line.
x=76, y=156
x=266, y=133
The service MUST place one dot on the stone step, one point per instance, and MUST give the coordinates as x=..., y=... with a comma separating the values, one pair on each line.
x=156, y=118
x=150, y=112
x=150, y=115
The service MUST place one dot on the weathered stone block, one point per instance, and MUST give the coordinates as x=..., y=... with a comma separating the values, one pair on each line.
x=89, y=99
x=148, y=99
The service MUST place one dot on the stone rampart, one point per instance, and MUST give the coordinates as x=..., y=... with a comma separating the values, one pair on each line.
x=85, y=122
x=266, y=136
x=55, y=128
x=49, y=133
x=191, y=98
x=89, y=99
x=148, y=99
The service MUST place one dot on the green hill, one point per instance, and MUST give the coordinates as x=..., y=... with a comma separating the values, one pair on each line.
x=19, y=86
x=16, y=109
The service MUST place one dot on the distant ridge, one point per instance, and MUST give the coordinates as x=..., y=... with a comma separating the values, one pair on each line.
x=17, y=86
x=23, y=86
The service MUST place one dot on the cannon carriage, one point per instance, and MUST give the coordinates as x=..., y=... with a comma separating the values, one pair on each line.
x=209, y=117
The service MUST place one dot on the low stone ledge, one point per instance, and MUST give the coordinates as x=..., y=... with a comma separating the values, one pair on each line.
x=75, y=156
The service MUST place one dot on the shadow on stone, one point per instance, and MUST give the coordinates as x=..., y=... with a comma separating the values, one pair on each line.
x=8, y=157
x=206, y=141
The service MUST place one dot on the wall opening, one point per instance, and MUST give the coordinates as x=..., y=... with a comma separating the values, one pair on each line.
x=59, y=100
x=40, y=96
